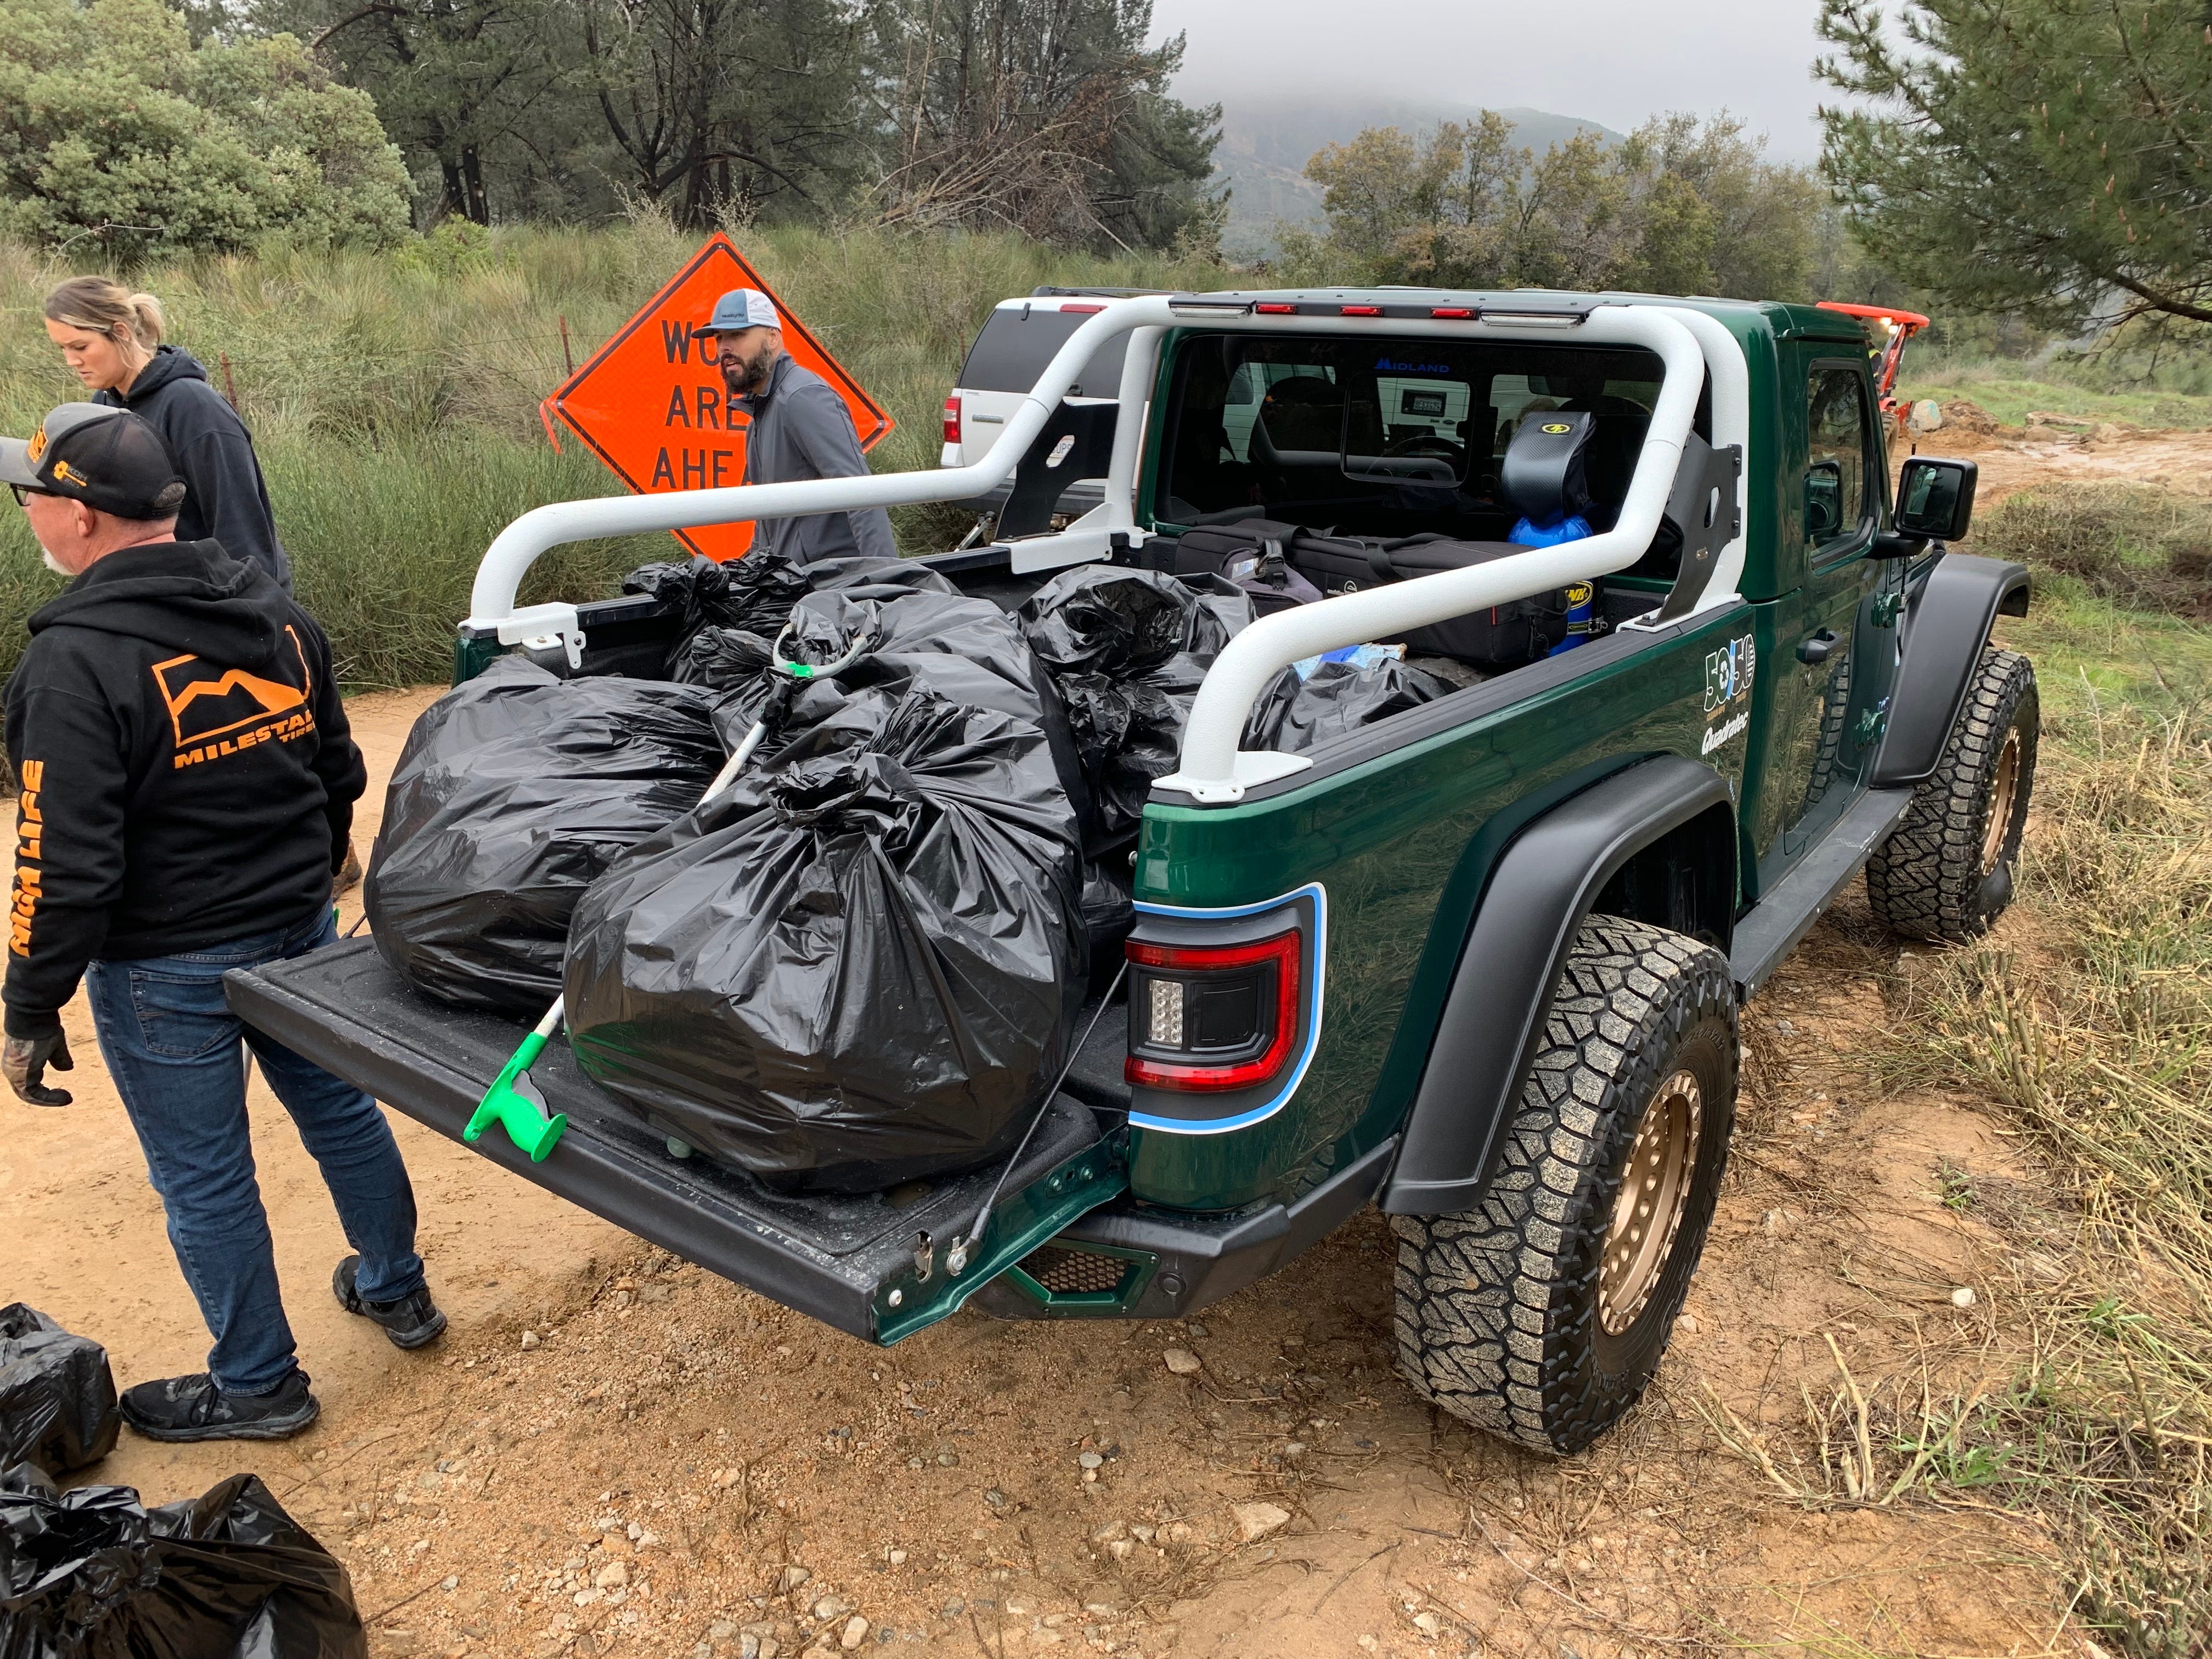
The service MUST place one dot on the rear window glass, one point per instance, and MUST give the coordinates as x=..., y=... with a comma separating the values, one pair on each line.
x=1383, y=437
x=1017, y=343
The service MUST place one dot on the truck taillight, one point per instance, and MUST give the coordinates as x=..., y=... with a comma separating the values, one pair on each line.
x=1208, y=1018
x=952, y=418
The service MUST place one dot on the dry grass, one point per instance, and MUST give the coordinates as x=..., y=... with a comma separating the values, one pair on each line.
x=2097, y=1414
x=2137, y=545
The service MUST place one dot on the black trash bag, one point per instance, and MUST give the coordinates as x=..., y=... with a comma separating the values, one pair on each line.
x=1112, y=620
x=967, y=650
x=1109, y=913
x=57, y=1395
x=721, y=659
x=1126, y=650
x=1293, y=715
x=859, y=965
x=94, y=1574
x=513, y=793
x=754, y=594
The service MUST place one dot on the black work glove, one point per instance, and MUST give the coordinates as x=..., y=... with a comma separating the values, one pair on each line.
x=25, y=1060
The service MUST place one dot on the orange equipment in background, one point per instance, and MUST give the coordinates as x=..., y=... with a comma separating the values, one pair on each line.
x=1900, y=326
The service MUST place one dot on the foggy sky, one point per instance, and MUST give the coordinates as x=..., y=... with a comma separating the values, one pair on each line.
x=1615, y=62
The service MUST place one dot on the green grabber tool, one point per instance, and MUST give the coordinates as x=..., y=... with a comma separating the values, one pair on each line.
x=514, y=1102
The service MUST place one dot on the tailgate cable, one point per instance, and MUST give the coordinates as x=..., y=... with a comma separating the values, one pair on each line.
x=956, y=1259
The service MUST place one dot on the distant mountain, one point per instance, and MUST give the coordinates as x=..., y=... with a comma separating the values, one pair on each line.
x=1265, y=144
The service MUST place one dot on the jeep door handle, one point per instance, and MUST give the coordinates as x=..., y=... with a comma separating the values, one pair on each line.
x=1818, y=648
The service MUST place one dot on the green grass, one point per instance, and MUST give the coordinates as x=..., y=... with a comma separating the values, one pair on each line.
x=393, y=398
x=2130, y=390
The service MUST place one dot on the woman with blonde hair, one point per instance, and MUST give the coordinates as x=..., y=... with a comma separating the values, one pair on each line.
x=111, y=338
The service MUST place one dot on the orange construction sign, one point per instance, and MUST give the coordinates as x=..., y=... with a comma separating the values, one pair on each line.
x=655, y=412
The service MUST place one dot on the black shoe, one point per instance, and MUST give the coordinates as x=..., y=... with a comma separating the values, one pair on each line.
x=410, y=1322
x=193, y=1409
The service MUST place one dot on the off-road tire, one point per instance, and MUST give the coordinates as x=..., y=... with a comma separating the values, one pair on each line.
x=1945, y=871
x=1498, y=1317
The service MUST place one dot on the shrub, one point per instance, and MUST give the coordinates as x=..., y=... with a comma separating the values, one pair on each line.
x=2139, y=545
x=115, y=129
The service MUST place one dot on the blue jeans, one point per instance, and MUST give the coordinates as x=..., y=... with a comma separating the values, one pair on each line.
x=173, y=1047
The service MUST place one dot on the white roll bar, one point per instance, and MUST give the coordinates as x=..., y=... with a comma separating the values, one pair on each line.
x=1211, y=767
x=491, y=601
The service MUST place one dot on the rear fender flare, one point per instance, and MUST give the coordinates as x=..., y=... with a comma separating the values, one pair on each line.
x=1546, y=881
x=1947, y=624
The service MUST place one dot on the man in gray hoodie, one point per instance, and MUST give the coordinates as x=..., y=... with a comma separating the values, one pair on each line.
x=800, y=428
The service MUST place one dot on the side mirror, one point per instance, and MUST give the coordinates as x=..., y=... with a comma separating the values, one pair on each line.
x=1935, y=497
x=1824, y=503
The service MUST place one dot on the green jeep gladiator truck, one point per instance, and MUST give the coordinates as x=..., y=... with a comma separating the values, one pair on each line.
x=1480, y=962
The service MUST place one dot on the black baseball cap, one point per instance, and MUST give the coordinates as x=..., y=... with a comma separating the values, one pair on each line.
x=109, y=458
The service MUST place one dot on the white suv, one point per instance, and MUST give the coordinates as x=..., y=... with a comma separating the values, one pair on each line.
x=1018, y=340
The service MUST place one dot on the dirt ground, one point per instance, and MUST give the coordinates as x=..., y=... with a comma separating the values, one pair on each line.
x=612, y=1452
x=2077, y=452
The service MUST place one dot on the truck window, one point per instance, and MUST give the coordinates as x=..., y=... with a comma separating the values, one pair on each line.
x=1837, y=471
x=1383, y=437
x=1017, y=342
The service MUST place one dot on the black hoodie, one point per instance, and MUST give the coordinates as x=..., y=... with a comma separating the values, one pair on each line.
x=187, y=775
x=226, y=498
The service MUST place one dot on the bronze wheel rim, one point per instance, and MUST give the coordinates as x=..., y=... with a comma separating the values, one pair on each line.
x=2004, y=789
x=1654, y=1194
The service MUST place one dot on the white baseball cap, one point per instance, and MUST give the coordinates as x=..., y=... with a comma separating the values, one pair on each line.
x=741, y=308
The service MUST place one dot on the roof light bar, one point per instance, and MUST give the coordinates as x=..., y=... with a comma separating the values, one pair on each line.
x=1275, y=308
x=1211, y=308
x=1454, y=314
x=1360, y=311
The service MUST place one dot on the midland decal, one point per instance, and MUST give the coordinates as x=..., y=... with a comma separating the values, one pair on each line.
x=1728, y=674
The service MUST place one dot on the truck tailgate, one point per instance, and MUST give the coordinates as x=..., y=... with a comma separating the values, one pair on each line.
x=849, y=1261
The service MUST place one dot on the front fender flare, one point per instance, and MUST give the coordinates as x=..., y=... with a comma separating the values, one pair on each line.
x=1946, y=626
x=1543, y=886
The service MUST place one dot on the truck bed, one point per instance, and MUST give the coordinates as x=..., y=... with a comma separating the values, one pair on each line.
x=839, y=1259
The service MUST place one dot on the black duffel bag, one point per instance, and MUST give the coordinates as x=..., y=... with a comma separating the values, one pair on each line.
x=1207, y=548
x=1497, y=636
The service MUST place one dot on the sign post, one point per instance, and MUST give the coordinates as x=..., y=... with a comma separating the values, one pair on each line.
x=650, y=406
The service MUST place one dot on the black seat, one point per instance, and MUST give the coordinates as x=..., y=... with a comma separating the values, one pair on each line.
x=1545, y=474
x=1305, y=411
x=1615, y=443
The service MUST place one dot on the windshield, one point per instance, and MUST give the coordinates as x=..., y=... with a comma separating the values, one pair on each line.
x=1383, y=437
x=1017, y=342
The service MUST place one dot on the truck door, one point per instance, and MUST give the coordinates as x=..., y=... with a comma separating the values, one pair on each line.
x=1840, y=629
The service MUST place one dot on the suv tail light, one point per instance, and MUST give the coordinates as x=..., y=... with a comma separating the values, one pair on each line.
x=952, y=418
x=1206, y=1019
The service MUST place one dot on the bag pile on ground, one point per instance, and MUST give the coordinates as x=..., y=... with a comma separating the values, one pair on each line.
x=514, y=792
x=857, y=967
x=57, y=1395
x=226, y=1576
